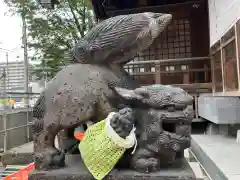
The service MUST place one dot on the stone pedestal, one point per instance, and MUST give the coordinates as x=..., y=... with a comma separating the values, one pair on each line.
x=76, y=170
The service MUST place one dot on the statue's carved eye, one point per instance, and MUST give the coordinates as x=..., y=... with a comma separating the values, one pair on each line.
x=168, y=96
x=144, y=94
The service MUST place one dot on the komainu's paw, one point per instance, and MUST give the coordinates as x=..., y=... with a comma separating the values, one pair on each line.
x=146, y=165
x=49, y=159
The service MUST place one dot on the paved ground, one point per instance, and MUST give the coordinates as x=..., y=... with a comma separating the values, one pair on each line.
x=220, y=154
x=26, y=148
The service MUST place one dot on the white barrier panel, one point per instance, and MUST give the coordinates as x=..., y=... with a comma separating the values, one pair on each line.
x=223, y=14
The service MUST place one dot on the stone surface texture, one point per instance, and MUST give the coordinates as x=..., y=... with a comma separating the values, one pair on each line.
x=77, y=171
x=218, y=154
x=118, y=39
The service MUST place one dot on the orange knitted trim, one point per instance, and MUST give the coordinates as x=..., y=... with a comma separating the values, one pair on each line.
x=79, y=135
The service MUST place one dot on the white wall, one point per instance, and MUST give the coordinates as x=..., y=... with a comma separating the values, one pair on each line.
x=223, y=14
x=36, y=87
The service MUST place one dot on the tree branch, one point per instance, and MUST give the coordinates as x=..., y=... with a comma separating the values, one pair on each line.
x=84, y=16
x=75, y=19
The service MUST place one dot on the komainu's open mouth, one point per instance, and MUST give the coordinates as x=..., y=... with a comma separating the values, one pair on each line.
x=176, y=114
x=175, y=107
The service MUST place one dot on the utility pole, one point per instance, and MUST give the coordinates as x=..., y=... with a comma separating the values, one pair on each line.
x=24, y=41
x=4, y=88
x=5, y=106
x=26, y=100
x=7, y=73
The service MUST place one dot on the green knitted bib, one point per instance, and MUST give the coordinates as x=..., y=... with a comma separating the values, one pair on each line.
x=99, y=153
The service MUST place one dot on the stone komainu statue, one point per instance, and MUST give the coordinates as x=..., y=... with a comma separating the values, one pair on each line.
x=95, y=84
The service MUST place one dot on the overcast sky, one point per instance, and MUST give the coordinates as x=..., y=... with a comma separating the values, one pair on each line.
x=10, y=35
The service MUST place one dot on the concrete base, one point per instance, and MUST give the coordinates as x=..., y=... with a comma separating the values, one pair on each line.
x=223, y=129
x=18, y=156
x=238, y=136
x=215, y=129
x=219, y=110
x=76, y=170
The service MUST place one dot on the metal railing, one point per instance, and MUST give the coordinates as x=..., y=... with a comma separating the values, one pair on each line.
x=16, y=118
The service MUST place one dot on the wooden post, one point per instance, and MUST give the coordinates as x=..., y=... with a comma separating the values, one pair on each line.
x=206, y=72
x=222, y=64
x=237, y=40
x=196, y=106
x=157, y=74
x=186, y=78
x=213, y=74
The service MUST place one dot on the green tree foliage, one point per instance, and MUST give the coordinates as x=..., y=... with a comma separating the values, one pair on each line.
x=52, y=33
